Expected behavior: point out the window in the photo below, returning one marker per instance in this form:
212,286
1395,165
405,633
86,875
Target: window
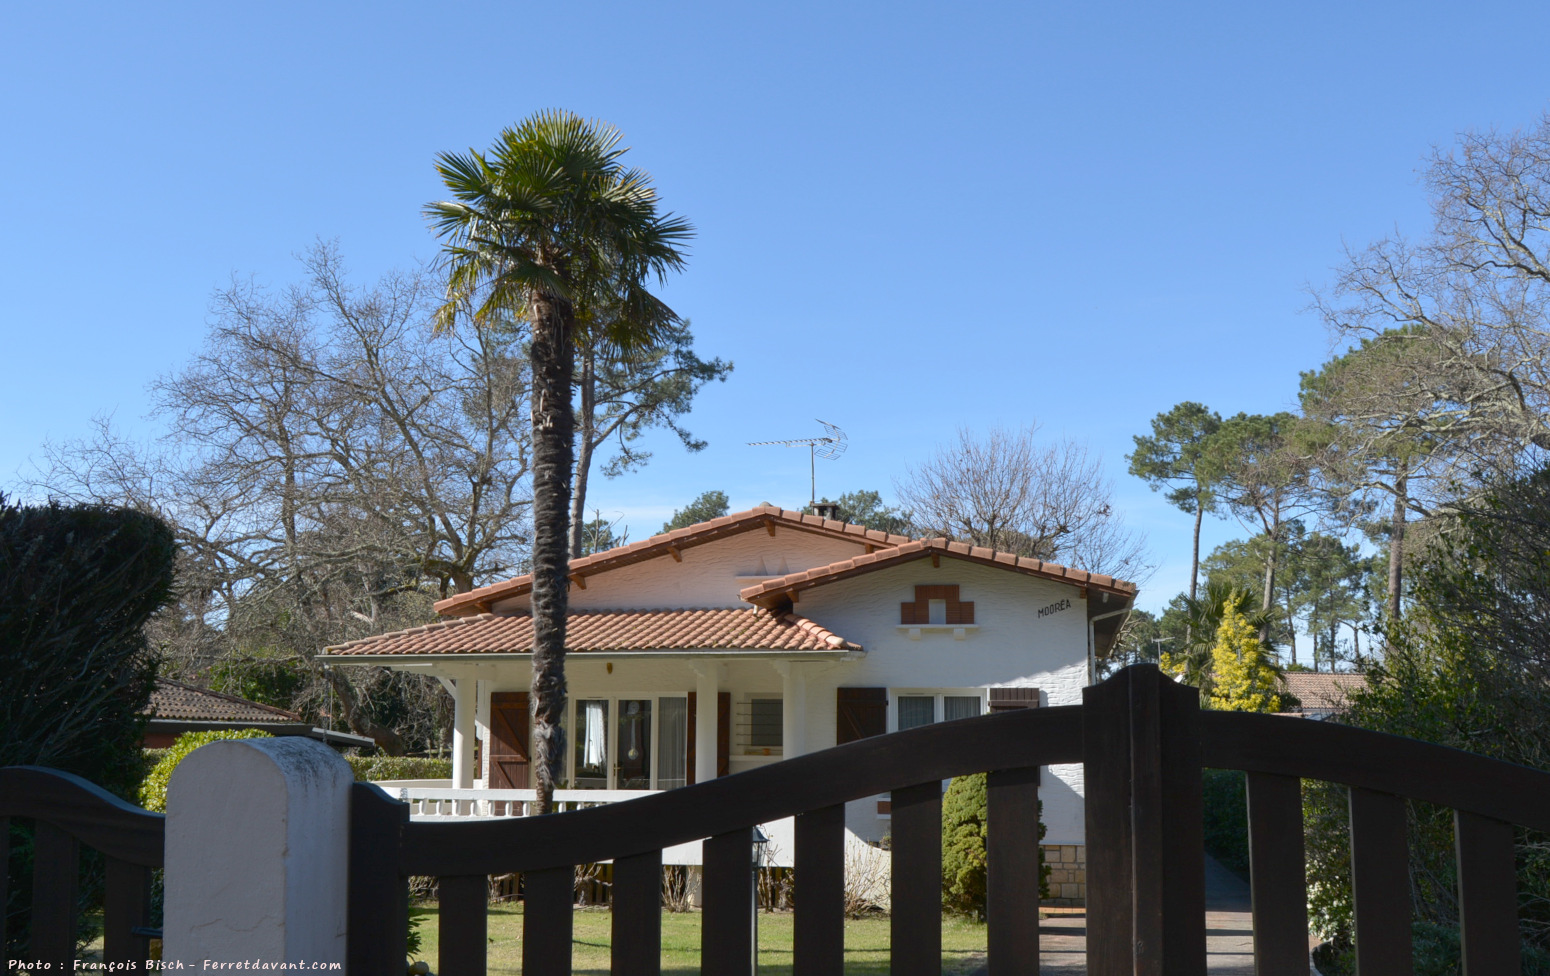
916,710
922,708
764,722
644,746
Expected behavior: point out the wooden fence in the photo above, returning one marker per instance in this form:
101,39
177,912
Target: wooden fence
69,812
1142,739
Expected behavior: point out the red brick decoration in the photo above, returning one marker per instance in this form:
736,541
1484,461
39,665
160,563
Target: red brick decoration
918,614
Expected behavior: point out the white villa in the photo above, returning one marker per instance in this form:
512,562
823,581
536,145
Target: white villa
803,631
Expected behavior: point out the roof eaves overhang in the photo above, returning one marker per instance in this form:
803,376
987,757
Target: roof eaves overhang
482,657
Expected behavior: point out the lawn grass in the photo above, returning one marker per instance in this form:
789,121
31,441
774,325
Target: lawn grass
866,942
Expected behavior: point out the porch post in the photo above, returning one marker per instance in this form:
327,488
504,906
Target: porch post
793,709
707,690
463,699
482,730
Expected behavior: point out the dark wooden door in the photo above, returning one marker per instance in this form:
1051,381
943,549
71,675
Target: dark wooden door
509,754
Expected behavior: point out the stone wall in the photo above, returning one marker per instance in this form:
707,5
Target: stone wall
1068,874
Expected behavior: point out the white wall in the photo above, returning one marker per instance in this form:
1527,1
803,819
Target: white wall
709,576
1009,646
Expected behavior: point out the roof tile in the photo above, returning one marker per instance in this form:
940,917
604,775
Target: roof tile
610,630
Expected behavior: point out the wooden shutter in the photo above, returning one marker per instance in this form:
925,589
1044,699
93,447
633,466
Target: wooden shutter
859,713
723,734
509,752
1006,699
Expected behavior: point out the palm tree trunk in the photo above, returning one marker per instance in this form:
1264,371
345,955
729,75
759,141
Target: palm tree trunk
587,388
553,357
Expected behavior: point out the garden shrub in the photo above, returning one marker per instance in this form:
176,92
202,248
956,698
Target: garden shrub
399,767
77,585
1227,818
963,847
153,792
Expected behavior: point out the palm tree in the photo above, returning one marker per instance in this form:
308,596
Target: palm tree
551,225
1203,615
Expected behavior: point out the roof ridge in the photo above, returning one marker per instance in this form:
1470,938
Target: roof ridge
231,698
665,540
919,547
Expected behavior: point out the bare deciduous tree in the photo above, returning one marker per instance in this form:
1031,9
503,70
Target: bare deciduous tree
1007,491
331,463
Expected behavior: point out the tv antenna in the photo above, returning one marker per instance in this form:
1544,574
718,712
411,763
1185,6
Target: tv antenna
829,447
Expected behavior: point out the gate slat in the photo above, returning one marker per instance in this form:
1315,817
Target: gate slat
56,864
5,870
1277,875
1012,882
1182,814
548,907
1106,758
1146,826
818,944
1488,895
378,913
126,905
463,926
1380,883
637,915
726,934
915,928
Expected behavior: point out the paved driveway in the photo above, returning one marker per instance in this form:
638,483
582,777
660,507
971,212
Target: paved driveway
1229,931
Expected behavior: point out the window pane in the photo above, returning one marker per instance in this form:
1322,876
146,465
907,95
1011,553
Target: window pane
591,745
960,706
633,744
916,710
764,722
672,742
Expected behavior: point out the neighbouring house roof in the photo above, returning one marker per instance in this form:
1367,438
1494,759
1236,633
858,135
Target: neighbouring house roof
765,516
176,708
1323,692
781,590
616,631
175,701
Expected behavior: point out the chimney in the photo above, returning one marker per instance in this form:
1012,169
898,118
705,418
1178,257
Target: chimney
828,510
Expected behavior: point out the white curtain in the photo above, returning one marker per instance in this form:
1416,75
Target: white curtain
672,742
594,727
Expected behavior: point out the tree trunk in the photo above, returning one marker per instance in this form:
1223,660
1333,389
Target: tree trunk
553,357
1194,556
386,739
1397,545
587,421
1268,597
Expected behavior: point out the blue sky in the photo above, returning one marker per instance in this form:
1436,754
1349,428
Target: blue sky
911,217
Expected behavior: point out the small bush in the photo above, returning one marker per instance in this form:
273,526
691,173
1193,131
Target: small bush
153,792
399,767
963,847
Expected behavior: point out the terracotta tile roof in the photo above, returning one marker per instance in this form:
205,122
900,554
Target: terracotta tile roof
610,630
175,701
777,591
1323,691
479,600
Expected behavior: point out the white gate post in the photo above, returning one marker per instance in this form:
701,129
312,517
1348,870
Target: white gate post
258,854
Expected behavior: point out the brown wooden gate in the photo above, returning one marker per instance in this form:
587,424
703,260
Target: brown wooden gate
1143,740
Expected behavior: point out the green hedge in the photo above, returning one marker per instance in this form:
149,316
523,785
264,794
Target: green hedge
1227,819
153,792
399,767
